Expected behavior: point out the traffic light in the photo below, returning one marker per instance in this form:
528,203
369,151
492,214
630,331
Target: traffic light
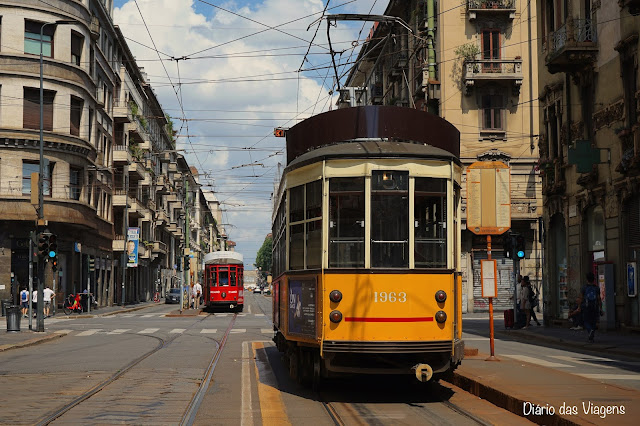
520,247
43,245
53,246
92,264
187,265
54,264
507,245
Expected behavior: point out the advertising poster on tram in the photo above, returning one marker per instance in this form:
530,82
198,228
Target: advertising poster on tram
302,307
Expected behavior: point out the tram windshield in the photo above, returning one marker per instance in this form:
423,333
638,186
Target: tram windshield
430,215
389,219
346,222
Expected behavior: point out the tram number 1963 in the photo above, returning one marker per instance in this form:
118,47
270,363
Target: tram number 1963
391,296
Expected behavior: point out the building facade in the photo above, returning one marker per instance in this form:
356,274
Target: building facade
590,150
475,66
111,164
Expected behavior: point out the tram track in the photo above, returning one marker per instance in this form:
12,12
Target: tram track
194,403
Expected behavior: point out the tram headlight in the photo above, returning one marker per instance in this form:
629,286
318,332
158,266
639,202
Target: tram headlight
335,316
335,296
441,317
441,296
224,294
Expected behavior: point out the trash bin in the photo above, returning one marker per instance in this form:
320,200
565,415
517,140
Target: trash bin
5,304
13,318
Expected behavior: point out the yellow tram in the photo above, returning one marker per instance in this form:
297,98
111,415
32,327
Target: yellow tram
366,245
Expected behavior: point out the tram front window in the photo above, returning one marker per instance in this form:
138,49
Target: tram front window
224,278
430,215
346,222
389,219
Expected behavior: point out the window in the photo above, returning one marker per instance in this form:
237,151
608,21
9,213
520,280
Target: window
29,167
346,222
629,75
305,232
492,106
430,226
32,38
491,50
76,115
31,109
389,219
75,184
76,48
314,224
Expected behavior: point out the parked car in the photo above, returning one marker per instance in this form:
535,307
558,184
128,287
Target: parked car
257,290
173,296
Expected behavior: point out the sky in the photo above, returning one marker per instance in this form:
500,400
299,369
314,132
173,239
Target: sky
230,72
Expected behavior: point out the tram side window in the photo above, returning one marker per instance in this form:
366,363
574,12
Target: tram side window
430,227
314,224
233,277
212,277
346,222
296,231
389,219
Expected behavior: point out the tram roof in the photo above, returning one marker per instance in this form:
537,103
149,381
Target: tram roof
223,258
372,122
372,149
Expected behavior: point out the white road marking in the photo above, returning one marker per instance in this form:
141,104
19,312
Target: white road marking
611,376
148,315
246,412
177,331
242,315
148,331
591,362
482,339
238,330
209,331
538,361
126,315
62,331
266,330
89,332
119,331
259,315
222,315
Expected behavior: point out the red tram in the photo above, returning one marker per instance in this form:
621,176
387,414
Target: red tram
223,280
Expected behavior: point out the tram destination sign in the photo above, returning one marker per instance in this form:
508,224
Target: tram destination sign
488,198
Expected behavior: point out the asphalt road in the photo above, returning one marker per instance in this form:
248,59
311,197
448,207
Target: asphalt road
145,367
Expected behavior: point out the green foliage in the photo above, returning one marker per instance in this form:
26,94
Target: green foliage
136,151
468,51
134,108
263,258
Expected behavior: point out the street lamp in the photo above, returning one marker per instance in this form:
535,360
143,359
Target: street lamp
41,175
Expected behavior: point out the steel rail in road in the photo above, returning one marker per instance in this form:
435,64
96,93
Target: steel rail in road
192,410
88,394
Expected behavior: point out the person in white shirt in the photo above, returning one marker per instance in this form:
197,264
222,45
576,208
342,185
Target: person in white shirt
197,293
34,302
48,294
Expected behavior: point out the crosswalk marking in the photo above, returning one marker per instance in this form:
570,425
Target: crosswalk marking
127,315
177,331
266,330
259,315
148,315
591,362
209,331
611,376
148,331
62,331
238,330
538,361
119,331
89,332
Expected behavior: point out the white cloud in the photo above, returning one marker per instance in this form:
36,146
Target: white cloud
266,94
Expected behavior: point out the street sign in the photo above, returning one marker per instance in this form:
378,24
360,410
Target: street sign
489,273
488,198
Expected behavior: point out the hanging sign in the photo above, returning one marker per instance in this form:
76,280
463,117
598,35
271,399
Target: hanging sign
488,198
131,246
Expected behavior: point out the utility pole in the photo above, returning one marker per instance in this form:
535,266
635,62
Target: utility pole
125,227
186,235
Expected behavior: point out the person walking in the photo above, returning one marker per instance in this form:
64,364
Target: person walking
525,302
197,293
533,300
24,301
48,294
591,305
34,302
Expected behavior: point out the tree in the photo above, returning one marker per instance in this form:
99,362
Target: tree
263,258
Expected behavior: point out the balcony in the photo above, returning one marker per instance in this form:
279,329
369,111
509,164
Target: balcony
121,200
94,27
118,243
136,171
122,112
161,217
572,47
633,5
491,9
159,247
121,155
493,70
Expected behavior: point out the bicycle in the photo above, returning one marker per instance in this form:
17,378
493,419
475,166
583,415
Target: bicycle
72,304
156,297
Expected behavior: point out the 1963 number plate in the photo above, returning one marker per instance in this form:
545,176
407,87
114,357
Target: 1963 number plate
389,297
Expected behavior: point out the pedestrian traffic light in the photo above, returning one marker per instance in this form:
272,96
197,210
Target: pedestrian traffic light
507,245
520,247
43,245
53,246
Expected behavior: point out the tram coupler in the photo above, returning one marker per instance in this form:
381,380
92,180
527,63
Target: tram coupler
424,372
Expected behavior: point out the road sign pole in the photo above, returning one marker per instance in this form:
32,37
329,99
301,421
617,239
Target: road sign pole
491,331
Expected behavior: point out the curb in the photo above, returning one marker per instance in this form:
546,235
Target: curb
505,401
31,342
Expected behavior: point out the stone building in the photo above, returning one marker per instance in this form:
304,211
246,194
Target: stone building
590,153
474,65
